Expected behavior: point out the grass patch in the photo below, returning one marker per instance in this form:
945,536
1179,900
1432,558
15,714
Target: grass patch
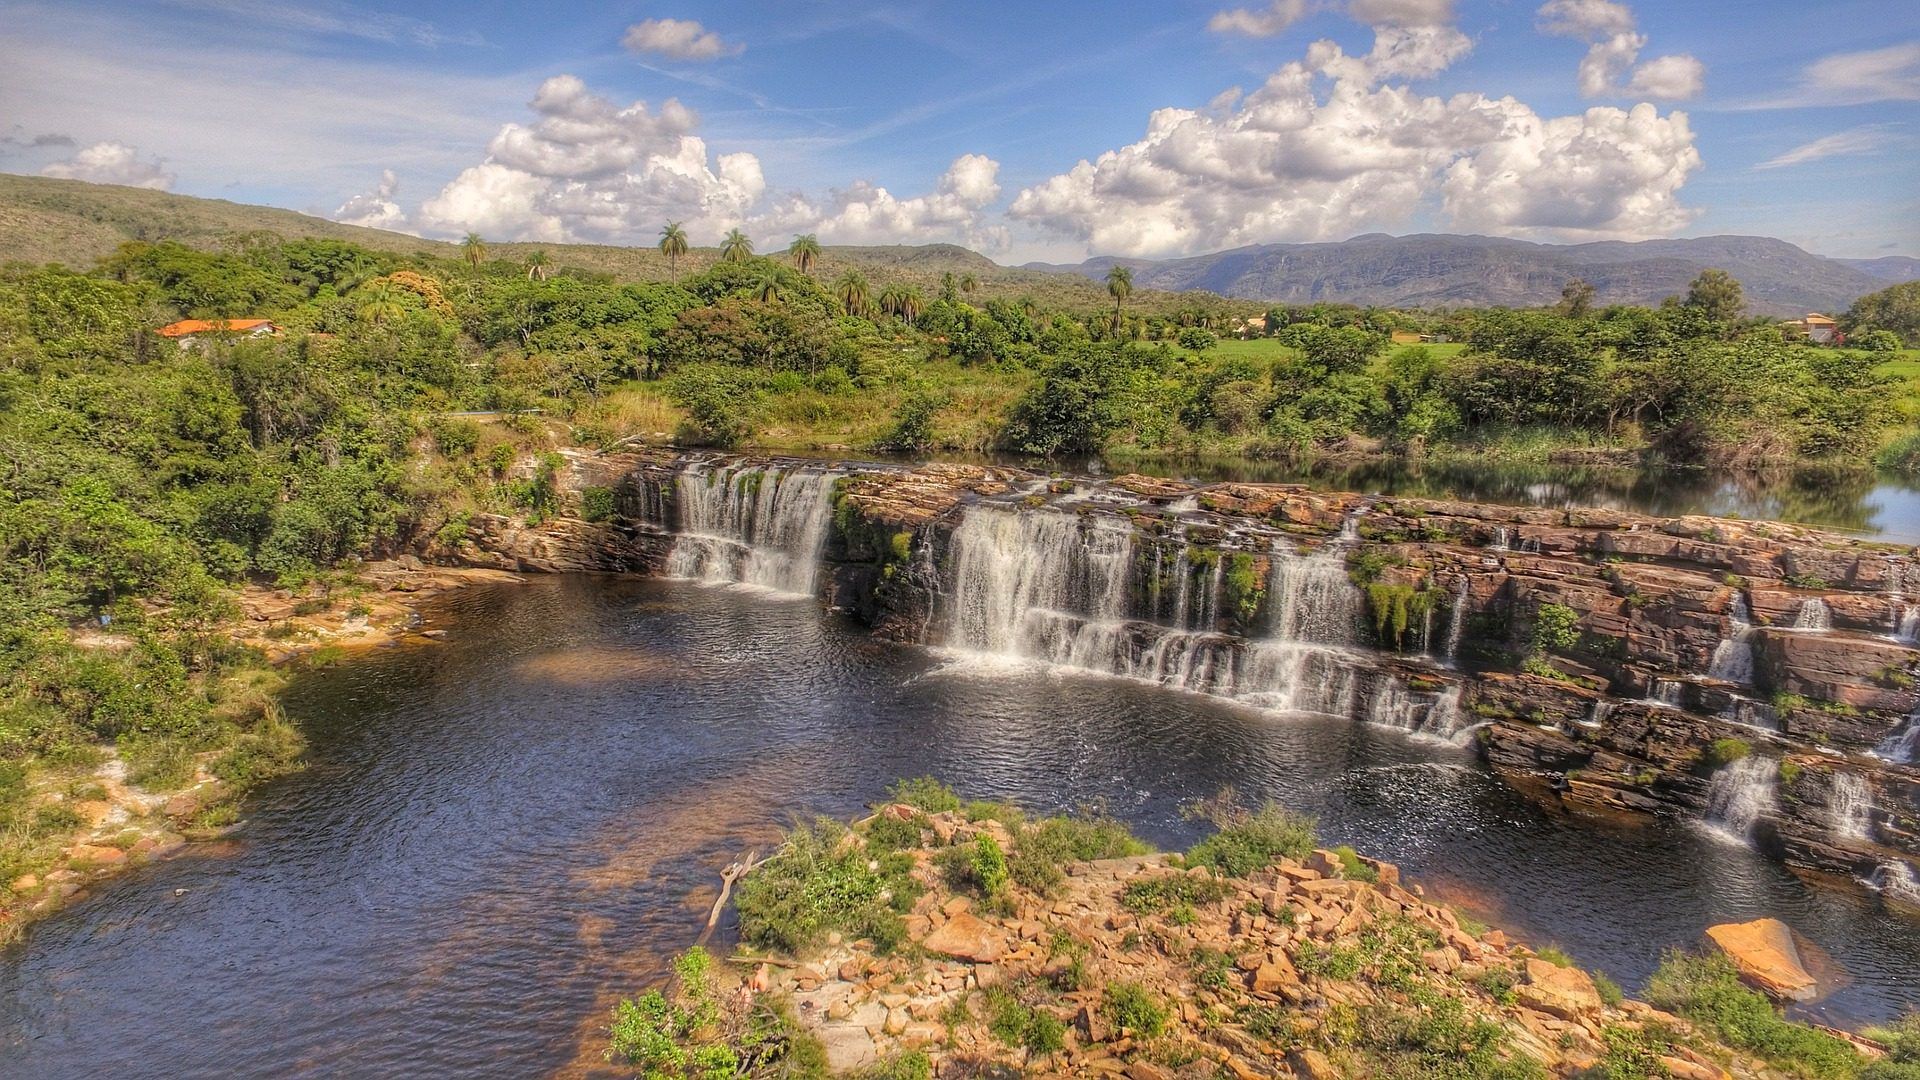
1019,1024
1352,868
823,881
1131,1006
1707,990
1171,892
924,793
1247,842
1044,848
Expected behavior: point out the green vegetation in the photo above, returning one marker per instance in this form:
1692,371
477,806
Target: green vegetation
1723,752
1707,991
1019,1023
1248,841
1134,1008
686,1032
924,793
818,884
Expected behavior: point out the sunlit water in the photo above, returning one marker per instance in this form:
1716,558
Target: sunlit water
503,832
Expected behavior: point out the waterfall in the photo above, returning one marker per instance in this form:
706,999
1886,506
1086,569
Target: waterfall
1435,716
1739,794
1814,615
1850,807
1500,539
1598,714
1908,627
1896,879
1667,693
1733,657
1055,588
752,525
1185,504
1457,622
1902,744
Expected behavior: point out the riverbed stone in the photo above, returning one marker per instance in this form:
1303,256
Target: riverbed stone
1767,957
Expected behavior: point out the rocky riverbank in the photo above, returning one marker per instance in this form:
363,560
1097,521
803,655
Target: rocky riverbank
105,821
1255,955
1607,662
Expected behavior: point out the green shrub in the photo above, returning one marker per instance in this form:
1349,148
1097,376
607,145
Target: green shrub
820,882
1632,1053
454,436
1556,628
1016,1023
1439,1039
1130,1006
924,793
911,1065
1609,991
1555,955
597,504
1046,846
889,833
1721,753
1352,868
1164,892
989,865
1707,990
1249,842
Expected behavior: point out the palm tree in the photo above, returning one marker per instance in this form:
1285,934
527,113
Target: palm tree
378,302
1119,286
892,299
767,286
475,250
968,283
911,305
537,265
804,251
673,244
853,292
736,247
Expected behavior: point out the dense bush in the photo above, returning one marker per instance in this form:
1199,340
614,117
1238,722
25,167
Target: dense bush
1247,842
1707,990
820,881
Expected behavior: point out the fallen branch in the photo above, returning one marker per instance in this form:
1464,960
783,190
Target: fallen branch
734,872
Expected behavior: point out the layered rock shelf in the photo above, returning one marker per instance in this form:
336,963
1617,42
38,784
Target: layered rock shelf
1605,661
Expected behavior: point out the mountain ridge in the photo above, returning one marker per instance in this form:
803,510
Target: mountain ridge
1450,270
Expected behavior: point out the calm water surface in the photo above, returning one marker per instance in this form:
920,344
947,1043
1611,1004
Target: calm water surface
503,832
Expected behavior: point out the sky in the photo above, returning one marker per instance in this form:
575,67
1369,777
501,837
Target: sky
1043,129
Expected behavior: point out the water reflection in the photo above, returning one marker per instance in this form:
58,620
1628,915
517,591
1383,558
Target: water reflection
502,834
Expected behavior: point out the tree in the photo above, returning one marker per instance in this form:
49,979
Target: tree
736,247
1119,286
1716,295
949,287
1194,339
767,287
538,265
673,244
473,249
968,283
1895,309
911,304
804,251
1576,299
853,292
379,302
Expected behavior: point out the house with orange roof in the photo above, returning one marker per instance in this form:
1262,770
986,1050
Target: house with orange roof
1815,327
190,332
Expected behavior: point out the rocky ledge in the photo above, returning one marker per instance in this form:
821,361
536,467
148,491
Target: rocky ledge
1255,955
1611,662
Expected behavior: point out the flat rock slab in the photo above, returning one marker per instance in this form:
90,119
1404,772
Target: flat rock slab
1767,957
966,937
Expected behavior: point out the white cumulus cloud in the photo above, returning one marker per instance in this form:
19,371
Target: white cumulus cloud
865,213
375,209
1613,45
677,39
1291,161
588,169
1259,22
112,163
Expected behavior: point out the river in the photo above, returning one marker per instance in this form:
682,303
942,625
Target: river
503,831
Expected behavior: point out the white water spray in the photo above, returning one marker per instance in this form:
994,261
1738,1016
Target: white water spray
1733,657
1740,794
752,526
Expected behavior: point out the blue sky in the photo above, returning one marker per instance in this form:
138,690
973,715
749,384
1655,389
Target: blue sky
1051,130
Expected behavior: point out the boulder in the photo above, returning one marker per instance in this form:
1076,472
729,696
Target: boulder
1767,957
1566,992
966,937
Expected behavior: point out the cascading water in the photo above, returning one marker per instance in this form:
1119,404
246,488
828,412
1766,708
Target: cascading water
1896,880
1598,714
749,525
1733,657
1457,622
1739,795
1814,615
1055,588
1850,807
1902,744
1908,627
1667,693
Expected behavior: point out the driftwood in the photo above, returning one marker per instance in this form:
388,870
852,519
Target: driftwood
734,872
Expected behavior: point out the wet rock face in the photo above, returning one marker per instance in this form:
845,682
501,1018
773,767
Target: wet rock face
1600,653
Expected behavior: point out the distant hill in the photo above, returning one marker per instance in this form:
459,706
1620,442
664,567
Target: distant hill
1891,269
75,223
1434,270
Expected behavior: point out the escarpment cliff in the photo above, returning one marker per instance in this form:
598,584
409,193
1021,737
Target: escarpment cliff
1757,676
